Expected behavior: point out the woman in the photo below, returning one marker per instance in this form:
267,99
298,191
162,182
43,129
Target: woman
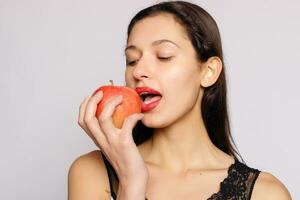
182,148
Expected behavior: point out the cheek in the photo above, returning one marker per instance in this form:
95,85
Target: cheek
180,94
180,83
128,79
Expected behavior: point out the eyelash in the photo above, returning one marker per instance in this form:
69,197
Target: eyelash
160,58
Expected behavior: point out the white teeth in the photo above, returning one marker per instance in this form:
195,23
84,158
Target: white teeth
144,93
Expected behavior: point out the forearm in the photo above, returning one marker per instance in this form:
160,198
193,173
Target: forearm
131,192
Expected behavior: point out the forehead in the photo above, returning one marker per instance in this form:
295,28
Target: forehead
161,26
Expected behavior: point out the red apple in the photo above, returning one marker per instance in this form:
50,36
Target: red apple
131,102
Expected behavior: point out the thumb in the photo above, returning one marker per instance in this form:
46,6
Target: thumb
131,121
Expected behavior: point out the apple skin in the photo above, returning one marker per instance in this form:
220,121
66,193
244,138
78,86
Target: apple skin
131,102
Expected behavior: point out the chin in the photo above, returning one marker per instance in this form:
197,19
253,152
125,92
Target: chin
152,120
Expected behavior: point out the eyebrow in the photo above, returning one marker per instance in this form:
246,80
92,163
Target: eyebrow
154,43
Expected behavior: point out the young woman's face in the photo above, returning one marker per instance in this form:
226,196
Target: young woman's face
168,67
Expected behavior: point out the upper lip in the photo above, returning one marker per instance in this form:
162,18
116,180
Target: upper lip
141,90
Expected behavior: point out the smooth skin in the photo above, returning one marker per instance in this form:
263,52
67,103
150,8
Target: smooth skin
117,144
180,161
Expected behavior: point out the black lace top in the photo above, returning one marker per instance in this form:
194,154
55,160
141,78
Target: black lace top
238,184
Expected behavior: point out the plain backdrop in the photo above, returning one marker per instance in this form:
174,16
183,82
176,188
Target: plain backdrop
53,53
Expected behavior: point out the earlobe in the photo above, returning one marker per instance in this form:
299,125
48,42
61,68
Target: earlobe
211,70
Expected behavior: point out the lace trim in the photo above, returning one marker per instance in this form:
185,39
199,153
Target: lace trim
238,184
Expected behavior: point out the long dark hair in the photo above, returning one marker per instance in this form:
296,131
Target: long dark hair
204,34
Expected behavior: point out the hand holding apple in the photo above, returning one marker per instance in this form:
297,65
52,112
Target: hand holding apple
131,102
116,144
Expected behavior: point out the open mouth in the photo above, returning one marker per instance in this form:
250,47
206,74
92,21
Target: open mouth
149,101
147,97
150,98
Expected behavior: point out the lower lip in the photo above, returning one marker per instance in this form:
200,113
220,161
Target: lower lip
150,106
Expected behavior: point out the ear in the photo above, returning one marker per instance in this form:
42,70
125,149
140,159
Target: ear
210,71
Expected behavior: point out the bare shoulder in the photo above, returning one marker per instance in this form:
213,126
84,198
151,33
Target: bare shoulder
87,178
267,186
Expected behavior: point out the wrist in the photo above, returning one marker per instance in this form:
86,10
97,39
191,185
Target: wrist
134,191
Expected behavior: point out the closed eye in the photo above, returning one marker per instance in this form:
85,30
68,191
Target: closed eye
131,63
165,58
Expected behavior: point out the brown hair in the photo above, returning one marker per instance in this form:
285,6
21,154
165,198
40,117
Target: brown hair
204,34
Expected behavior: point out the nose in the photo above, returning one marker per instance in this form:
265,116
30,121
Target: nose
141,69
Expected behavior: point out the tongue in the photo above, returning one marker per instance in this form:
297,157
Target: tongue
151,99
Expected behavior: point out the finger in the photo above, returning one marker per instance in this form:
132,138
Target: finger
97,133
81,115
129,124
91,121
91,106
81,123
82,108
105,118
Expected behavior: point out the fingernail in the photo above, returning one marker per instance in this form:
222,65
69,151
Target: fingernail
99,94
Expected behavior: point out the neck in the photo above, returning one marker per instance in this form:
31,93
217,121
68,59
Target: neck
185,145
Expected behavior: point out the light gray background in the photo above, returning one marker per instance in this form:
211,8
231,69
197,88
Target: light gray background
54,53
